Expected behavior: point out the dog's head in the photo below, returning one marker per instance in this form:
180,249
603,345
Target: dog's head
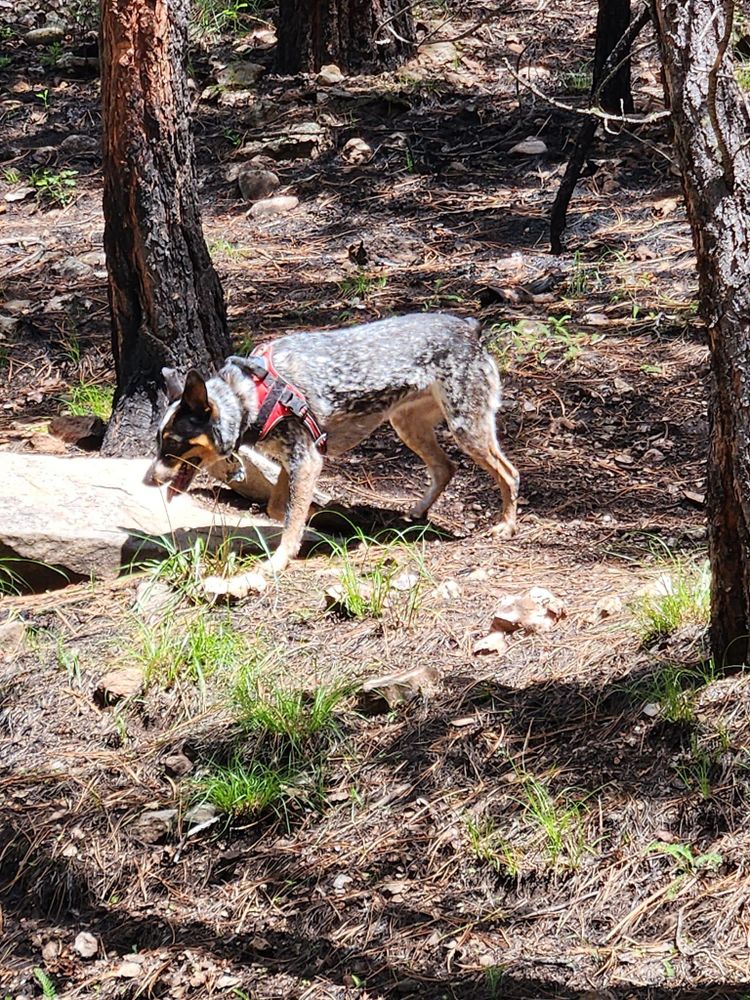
187,436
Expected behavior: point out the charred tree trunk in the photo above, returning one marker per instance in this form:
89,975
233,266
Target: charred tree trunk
356,35
608,91
611,88
165,298
711,123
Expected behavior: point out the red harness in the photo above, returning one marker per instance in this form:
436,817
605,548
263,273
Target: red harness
277,400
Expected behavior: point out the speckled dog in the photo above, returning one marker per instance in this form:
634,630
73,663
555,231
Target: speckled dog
415,371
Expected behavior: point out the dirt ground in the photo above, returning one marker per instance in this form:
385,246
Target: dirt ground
535,824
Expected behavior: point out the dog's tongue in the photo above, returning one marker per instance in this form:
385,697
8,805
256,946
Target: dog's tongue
180,482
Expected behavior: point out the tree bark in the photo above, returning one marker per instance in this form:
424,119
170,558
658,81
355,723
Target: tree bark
356,35
612,22
712,123
165,298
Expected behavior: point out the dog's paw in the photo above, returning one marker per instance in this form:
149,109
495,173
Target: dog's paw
234,587
503,531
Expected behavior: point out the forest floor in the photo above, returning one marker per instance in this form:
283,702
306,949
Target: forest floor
565,819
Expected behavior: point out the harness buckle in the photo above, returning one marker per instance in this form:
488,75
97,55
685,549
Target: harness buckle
292,402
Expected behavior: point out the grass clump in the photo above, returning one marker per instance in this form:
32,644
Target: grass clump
541,343
240,790
361,285
294,716
379,579
89,398
686,862
185,569
558,819
681,597
195,654
488,844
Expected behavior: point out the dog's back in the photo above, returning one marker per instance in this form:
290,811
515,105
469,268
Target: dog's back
372,366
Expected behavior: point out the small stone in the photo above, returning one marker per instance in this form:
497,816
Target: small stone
480,574
16,306
495,642
651,710
341,882
226,982
448,590
44,154
405,582
255,184
129,970
240,74
153,825
124,682
269,207
381,694
605,607
529,147
536,610
19,193
73,268
85,944
330,75
357,152
52,950
178,765
202,813
85,432
45,444
48,34
77,143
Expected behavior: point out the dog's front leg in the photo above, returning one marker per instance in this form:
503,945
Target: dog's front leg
305,464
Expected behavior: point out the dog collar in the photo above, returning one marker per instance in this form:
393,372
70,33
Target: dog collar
276,399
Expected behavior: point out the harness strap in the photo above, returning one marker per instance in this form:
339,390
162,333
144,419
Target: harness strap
277,400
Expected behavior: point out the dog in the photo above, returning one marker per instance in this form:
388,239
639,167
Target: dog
337,386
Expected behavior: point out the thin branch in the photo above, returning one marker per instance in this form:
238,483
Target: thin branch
605,116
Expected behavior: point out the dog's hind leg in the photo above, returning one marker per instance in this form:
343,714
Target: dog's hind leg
470,407
415,424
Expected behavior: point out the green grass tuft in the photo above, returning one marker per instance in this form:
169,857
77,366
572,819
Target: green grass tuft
239,790
89,398
684,599
171,652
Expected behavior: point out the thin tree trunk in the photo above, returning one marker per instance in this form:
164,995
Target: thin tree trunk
712,123
612,22
356,35
165,298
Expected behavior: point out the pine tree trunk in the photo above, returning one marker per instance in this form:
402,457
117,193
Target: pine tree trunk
712,123
356,35
165,298
612,21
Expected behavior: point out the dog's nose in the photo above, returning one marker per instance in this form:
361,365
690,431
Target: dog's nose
150,479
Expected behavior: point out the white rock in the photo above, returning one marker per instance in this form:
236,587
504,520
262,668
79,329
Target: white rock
329,75
495,642
529,147
357,152
268,207
448,590
85,944
19,193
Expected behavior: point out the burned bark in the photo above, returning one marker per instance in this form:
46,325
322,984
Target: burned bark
711,124
356,35
166,302
611,85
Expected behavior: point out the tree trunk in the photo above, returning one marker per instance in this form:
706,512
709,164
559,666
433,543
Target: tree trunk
612,22
356,35
165,298
712,123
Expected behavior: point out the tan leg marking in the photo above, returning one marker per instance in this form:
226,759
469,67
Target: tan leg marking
415,425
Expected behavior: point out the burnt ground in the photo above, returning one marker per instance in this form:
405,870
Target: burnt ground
564,820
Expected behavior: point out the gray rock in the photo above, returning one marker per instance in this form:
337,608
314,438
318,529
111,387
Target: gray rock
77,143
256,184
119,684
304,141
356,152
19,193
153,825
12,634
240,74
204,812
46,35
381,694
273,206
83,517
73,268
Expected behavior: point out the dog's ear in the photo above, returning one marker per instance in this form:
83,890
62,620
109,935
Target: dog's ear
195,394
172,383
